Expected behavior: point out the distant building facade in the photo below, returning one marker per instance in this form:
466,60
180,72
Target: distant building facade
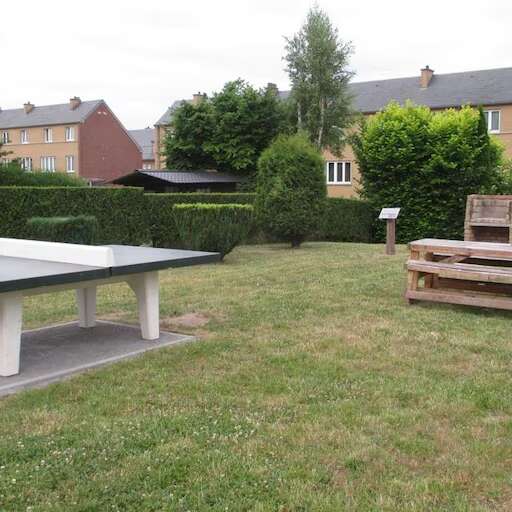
83,138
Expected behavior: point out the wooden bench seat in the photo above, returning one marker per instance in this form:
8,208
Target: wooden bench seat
465,271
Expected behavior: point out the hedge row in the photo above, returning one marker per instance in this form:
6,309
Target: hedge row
347,220
212,227
72,230
120,212
128,216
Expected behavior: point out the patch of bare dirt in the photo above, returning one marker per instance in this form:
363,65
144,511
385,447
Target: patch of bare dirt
188,320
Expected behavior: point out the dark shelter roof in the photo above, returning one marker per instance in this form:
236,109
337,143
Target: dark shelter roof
178,177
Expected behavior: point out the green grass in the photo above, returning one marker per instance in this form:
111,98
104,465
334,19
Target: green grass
314,388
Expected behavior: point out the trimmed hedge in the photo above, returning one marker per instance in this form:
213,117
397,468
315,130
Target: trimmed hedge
347,220
212,227
160,214
120,212
73,230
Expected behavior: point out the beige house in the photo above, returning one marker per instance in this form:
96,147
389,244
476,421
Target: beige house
492,89
79,137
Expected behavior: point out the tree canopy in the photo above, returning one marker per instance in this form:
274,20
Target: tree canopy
426,163
227,132
317,63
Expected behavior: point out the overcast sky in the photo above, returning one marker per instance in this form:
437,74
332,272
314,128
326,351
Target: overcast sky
140,56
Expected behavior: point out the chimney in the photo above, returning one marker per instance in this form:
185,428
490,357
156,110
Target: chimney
74,102
28,107
272,88
198,98
426,77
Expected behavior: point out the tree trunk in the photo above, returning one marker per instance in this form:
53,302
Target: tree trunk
299,115
322,121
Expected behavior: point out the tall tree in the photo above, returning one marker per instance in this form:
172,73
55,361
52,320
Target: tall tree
227,132
317,64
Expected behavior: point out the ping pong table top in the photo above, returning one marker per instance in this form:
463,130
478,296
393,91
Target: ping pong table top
19,273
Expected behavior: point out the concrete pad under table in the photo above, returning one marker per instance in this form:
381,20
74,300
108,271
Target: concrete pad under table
52,353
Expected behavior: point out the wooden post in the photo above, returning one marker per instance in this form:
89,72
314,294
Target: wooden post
390,236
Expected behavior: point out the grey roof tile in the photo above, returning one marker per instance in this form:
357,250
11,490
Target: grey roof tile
47,115
145,139
484,87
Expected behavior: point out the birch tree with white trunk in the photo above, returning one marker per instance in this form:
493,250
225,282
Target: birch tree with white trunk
318,66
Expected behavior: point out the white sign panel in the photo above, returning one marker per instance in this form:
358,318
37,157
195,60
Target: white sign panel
389,213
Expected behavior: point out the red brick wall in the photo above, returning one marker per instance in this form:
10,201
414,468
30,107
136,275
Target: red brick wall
106,151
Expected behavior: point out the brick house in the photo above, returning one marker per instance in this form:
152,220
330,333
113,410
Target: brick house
492,89
83,138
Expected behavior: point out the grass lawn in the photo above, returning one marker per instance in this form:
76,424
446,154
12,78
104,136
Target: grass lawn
314,388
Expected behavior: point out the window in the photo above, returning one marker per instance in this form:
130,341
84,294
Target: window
24,136
26,163
48,135
5,162
5,137
339,173
493,120
70,133
48,163
70,163
147,166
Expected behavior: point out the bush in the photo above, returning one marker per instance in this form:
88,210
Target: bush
74,230
212,227
291,191
120,212
13,175
347,220
426,163
160,213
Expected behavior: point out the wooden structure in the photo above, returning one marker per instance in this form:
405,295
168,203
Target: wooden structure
488,219
390,215
461,272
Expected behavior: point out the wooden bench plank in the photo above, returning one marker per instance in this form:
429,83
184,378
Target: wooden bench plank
460,297
465,271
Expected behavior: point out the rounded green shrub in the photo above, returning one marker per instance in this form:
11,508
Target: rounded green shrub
291,191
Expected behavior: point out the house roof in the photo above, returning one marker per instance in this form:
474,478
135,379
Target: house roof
47,115
165,119
180,177
145,138
484,87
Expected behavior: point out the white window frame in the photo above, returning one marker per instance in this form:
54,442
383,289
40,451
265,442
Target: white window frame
70,163
26,163
48,163
70,134
147,166
345,166
5,162
489,120
24,136
47,135
5,137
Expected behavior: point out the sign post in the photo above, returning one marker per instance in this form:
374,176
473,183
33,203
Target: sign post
390,215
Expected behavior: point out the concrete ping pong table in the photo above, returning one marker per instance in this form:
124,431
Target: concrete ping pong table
29,267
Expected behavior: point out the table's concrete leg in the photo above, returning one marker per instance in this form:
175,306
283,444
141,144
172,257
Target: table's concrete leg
11,311
146,289
86,301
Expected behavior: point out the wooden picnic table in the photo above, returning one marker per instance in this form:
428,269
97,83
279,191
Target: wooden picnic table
460,272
